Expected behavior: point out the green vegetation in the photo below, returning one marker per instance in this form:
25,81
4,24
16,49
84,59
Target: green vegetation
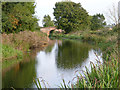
20,31
47,22
9,53
97,22
70,16
18,16
103,76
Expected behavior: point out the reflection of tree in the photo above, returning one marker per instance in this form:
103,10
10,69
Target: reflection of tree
22,78
71,54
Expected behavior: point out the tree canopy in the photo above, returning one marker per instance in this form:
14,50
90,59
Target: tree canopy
97,21
70,16
18,16
47,21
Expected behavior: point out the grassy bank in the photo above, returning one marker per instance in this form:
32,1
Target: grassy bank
104,35
15,44
10,55
105,39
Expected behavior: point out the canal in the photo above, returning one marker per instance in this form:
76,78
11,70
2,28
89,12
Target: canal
61,59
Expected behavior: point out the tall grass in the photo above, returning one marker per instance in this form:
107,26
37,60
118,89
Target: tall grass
104,76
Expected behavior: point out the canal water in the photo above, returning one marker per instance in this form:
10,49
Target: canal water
61,59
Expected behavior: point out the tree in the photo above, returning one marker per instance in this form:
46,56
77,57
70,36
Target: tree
47,21
18,16
112,14
70,16
97,21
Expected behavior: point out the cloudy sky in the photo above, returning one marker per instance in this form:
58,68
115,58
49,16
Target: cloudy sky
44,7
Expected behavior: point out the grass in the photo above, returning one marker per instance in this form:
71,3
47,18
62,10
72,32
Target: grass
103,76
10,55
24,40
103,35
8,51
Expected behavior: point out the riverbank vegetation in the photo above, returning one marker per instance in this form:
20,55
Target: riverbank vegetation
20,31
14,45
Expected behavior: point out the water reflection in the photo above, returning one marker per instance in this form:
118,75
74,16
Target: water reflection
62,61
21,74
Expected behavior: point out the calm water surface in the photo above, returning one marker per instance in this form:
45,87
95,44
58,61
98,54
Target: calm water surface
60,60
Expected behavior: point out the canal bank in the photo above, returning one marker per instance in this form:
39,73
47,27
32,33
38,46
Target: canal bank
106,39
14,45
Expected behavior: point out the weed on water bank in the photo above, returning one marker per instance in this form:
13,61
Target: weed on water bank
24,40
15,44
102,75
9,52
10,55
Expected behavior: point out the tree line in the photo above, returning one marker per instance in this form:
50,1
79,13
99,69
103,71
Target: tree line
71,16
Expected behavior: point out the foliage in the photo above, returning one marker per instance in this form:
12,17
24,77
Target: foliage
47,21
8,51
18,16
97,22
25,40
70,16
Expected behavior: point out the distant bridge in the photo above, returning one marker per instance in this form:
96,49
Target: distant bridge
47,30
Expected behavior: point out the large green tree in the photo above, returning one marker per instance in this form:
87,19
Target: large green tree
70,16
47,21
97,21
18,16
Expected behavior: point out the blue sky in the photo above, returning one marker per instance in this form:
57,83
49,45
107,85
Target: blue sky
44,7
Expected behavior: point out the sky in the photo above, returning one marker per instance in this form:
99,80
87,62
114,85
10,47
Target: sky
45,7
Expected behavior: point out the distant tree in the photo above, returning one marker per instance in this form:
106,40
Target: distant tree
112,14
70,16
47,21
18,16
97,21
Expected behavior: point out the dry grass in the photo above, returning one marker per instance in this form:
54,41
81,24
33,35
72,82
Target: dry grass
24,40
